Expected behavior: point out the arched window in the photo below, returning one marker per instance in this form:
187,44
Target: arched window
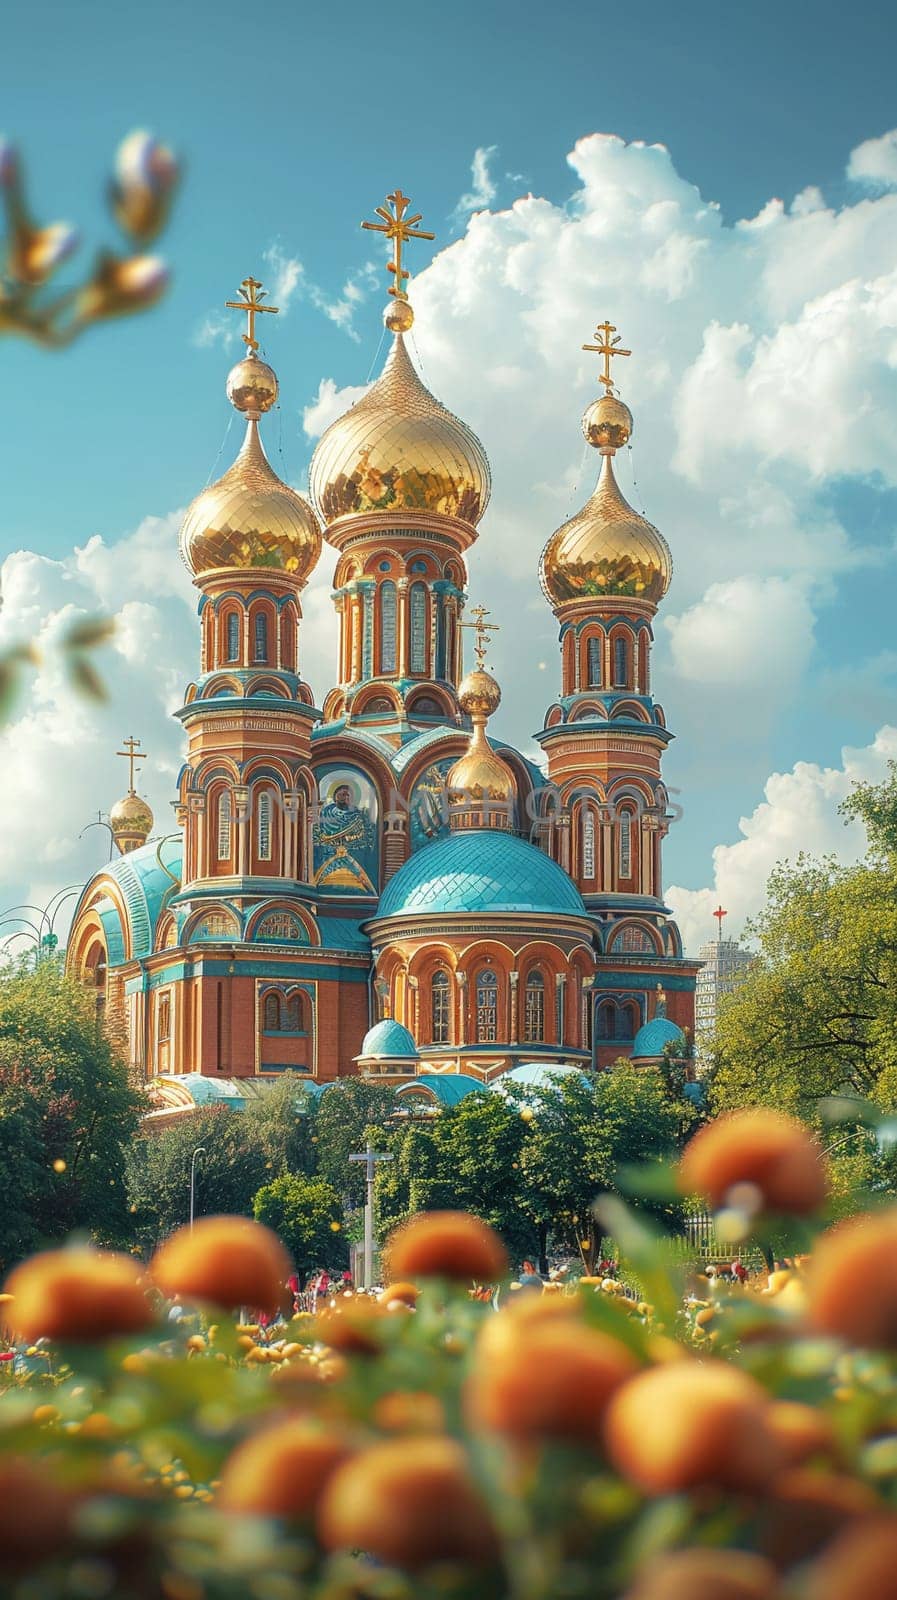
607,1020
621,662
288,642
487,1007
233,636
626,1021
291,1016
263,826
425,706
594,661
534,1015
387,628
260,637
224,824
271,1013
588,842
625,845
418,605
440,1008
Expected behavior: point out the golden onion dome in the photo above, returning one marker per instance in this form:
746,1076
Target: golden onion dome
131,821
480,785
398,449
605,550
250,519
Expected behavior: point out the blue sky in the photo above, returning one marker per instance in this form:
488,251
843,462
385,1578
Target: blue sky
293,122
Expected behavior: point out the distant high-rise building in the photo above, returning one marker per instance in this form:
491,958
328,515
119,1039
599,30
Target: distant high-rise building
723,963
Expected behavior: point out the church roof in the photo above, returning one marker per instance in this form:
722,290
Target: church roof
652,1039
144,883
537,1074
388,1040
483,870
447,1087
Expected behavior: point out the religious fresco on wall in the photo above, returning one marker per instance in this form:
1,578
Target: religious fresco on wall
429,806
346,833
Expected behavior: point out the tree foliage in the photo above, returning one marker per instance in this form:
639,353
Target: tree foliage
67,1113
344,1117
307,1214
816,1014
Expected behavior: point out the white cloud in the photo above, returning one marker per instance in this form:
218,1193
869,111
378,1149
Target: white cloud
874,161
745,632
764,369
289,275
799,813
482,189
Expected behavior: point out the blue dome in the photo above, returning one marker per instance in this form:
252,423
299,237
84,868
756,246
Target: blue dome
652,1039
483,870
447,1087
388,1039
537,1074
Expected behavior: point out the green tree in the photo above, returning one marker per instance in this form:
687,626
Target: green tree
343,1118
280,1123
816,1014
307,1215
67,1113
579,1132
230,1170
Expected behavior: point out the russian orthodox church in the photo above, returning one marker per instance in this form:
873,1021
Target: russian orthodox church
384,885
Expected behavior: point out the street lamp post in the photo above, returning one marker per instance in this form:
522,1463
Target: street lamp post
199,1151
370,1157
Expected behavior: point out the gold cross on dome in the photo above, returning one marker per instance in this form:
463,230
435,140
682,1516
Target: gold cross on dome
132,746
252,296
608,348
480,628
398,227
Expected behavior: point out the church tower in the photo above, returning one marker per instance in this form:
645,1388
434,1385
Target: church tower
250,543
400,485
604,573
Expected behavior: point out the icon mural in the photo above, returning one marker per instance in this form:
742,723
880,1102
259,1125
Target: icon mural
429,804
345,833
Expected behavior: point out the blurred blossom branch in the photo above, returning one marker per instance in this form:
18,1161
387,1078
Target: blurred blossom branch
74,649
140,196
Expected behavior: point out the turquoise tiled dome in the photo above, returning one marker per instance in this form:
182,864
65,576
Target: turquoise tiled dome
652,1039
483,870
388,1039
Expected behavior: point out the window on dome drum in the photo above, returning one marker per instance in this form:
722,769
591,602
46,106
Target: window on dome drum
594,661
621,663
487,1007
387,628
588,843
288,643
625,845
233,636
260,637
418,605
224,822
634,941
534,1015
380,707
440,1008
263,826
425,706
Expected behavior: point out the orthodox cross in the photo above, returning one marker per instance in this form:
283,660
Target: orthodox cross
608,348
252,295
132,746
398,227
370,1157
480,628
719,913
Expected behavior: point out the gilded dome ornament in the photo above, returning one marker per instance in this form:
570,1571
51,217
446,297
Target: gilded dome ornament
480,786
249,519
398,449
607,549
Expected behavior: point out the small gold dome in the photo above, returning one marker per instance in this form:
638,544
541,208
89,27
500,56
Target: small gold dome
398,449
131,821
606,549
249,519
252,386
607,423
398,315
479,694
